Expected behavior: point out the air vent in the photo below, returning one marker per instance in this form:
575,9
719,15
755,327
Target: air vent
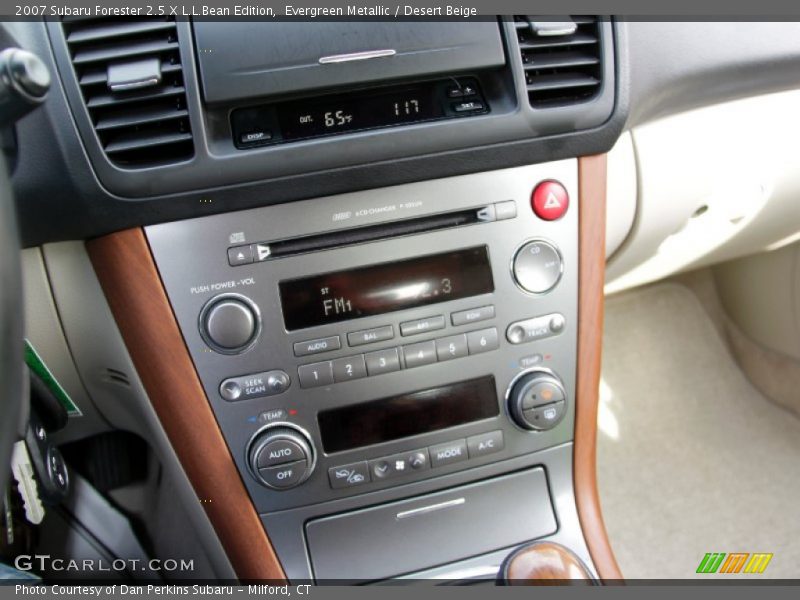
130,75
561,59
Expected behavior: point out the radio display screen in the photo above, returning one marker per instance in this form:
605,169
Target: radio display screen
387,287
409,414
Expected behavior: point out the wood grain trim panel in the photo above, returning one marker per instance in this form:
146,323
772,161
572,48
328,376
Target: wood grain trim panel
138,301
592,234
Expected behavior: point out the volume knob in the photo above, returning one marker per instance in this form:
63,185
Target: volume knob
281,457
230,323
537,401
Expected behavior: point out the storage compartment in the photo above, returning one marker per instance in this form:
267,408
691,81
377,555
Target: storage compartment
241,60
411,535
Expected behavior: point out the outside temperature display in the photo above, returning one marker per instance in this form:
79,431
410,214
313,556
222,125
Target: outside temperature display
379,289
314,118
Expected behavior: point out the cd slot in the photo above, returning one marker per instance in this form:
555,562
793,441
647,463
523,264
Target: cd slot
349,237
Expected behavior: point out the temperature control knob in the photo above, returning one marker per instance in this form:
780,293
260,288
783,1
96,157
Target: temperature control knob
537,401
229,324
281,457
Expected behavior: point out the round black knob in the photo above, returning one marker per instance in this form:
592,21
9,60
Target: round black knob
281,457
230,324
537,400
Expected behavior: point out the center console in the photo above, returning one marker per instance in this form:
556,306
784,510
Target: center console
344,259
389,368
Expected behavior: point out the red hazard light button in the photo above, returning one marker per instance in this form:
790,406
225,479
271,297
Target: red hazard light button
549,200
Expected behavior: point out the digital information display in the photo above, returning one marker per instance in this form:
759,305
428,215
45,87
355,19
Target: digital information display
410,414
314,118
383,288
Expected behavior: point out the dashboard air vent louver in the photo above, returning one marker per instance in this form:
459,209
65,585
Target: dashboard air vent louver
561,59
130,75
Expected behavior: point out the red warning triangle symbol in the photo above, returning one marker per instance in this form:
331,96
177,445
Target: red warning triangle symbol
552,201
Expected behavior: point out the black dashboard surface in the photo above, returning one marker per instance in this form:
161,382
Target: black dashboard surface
659,68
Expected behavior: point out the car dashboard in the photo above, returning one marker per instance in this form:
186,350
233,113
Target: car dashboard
352,274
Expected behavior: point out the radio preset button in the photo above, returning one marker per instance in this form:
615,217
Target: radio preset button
284,476
448,453
316,374
316,346
483,340
383,361
486,443
537,267
422,325
418,355
473,315
347,476
368,336
257,385
454,346
279,452
350,367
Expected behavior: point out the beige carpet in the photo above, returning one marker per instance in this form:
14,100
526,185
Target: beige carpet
691,458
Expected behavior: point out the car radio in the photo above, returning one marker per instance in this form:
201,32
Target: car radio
365,341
